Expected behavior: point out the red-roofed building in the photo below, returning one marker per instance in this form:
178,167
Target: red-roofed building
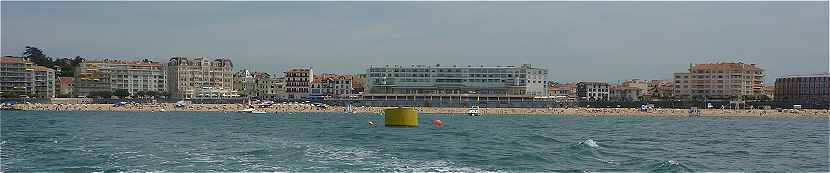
567,90
65,86
659,89
625,93
333,85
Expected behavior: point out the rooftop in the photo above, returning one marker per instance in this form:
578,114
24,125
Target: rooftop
67,80
446,66
109,61
11,59
808,75
41,68
725,65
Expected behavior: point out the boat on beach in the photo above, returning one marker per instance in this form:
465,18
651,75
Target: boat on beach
249,110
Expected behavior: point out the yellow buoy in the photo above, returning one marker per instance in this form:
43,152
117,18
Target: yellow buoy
400,117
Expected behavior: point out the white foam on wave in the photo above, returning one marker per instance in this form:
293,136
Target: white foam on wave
673,163
374,160
590,143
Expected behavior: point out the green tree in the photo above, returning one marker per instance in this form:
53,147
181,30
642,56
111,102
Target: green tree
38,57
121,93
65,67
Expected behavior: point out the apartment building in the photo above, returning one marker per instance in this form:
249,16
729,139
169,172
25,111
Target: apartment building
566,90
721,81
44,82
339,86
455,80
16,76
593,91
96,75
298,83
263,86
803,88
200,78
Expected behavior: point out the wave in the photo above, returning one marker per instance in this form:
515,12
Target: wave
668,166
589,142
335,157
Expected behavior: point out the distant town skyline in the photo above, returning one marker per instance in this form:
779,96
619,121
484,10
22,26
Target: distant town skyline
606,41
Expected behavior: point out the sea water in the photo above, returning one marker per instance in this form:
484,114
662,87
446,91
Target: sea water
177,141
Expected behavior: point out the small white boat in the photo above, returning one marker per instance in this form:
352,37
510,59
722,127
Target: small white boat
249,110
473,111
258,112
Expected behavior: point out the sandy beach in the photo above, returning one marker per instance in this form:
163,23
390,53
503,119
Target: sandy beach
170,107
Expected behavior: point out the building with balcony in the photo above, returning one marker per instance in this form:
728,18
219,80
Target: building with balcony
255,85
566,90
592,91
462,81
200,78
16,76
721,81
44,82
298,83
106,75
331,85
803,88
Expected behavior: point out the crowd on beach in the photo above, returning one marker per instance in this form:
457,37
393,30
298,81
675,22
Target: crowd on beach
305,107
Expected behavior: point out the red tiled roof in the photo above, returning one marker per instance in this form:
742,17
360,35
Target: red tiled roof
11,59
41,68
620,88
67,80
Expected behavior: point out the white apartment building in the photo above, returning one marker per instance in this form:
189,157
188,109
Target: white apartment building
332,85
200,78
593,91
441,80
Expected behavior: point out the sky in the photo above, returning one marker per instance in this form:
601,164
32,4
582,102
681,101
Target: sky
598,41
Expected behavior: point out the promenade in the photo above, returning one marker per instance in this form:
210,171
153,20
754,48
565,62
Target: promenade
170,107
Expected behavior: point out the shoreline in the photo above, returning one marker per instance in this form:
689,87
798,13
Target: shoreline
170,107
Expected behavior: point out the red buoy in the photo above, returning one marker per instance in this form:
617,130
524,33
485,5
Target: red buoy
437,123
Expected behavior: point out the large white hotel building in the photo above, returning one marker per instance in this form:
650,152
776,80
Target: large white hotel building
448,81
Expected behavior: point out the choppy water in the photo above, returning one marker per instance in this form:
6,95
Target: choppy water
123,141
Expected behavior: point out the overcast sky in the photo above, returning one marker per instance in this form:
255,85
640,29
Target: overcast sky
574,40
